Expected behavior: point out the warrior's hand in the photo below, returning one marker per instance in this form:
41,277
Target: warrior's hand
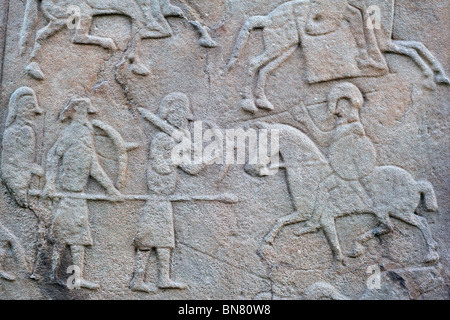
49,192
115,194
37,170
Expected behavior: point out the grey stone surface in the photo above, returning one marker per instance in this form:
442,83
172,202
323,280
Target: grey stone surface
96,94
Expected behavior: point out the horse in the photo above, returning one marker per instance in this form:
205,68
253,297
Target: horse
390,192
147,22
285,27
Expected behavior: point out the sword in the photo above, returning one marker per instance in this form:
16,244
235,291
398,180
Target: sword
225,198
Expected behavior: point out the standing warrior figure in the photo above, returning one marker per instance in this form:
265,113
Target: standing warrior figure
156,228
19,145
76,151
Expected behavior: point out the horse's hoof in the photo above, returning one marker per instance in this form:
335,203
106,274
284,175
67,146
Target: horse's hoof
358,251
430,84
248,105
207,43
110,45
35,71
432,257
139,69
441,78
342,260
269,239
264,104
6,276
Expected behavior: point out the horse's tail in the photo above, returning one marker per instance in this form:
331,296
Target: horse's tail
426,189
252,23
29,21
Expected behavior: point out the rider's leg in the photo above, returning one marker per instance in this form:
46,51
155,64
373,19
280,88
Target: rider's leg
138,281
78,260
436,66
164,270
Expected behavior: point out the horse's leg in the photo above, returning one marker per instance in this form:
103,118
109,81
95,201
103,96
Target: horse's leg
256,64
205,38
136,65
399,48
329,228
261,98
422,224
82,35
436,66
295,217
53,27
169,10
385,226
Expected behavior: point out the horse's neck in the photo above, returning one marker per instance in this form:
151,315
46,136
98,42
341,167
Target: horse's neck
387,9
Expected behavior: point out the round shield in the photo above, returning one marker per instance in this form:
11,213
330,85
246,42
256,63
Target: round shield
353,157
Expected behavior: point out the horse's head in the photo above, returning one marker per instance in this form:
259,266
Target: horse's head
325,16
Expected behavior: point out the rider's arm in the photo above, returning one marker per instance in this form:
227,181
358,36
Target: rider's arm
301,115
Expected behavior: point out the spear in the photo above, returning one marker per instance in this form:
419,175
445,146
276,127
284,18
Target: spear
226,198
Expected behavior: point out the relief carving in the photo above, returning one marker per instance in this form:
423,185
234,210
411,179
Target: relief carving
155,229
70,163
347,181
315,26
337,160
148,21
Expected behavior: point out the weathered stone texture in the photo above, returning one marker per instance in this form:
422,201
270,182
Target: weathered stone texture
94,95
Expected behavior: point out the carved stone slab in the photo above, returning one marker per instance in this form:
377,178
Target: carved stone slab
224,149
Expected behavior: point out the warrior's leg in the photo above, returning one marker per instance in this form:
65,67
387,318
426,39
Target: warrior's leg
58,250
4,246
385,226
138,281
54,26
164,270
82,35
78,260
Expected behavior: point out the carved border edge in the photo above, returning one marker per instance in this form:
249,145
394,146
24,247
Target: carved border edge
4,15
